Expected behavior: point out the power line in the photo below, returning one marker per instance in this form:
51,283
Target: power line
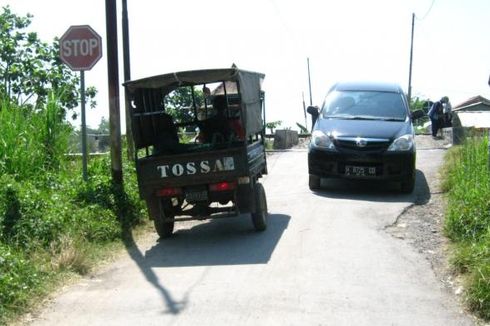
428,11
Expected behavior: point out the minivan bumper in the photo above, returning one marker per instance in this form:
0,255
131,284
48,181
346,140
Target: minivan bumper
389,166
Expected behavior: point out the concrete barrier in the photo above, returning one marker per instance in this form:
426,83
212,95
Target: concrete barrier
454,135
284,139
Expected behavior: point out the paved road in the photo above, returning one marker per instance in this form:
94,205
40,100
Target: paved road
324,260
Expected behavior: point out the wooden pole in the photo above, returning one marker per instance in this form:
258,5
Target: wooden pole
113,74
309,80
127,77
410,67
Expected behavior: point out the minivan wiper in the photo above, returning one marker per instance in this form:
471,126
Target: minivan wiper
362,117
392,119
350,117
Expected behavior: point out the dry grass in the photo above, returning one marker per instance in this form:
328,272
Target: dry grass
70,254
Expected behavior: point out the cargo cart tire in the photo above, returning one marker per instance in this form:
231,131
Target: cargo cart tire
159,213
259,217
163,228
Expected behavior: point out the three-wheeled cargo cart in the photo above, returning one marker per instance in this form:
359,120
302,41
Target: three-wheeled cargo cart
199,139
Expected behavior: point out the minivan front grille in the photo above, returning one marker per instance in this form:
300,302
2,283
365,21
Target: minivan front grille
362,144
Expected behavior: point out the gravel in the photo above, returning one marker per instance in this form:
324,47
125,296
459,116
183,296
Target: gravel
421,225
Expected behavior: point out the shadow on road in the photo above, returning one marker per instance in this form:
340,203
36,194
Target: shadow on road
215,242
374,190
173,306
219,242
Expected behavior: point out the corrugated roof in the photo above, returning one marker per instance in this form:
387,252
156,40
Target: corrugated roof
472,101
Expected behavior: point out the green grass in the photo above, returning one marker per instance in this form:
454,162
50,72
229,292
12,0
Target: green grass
467,223
52,223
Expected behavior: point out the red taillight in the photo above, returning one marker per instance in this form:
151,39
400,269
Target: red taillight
222,186
169,192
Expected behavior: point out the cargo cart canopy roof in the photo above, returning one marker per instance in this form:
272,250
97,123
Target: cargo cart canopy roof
249,85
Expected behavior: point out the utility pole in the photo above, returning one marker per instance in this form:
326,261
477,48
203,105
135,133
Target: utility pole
309,80
113,74
304,110
411,58
127,77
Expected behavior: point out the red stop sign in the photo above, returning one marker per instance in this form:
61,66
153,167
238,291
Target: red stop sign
80,47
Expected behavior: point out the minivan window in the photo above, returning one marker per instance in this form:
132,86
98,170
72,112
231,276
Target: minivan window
364,105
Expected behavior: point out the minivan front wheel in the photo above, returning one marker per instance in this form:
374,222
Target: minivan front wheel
314,182
408,185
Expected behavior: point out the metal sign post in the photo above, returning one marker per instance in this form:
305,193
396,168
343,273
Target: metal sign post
80,49
84,126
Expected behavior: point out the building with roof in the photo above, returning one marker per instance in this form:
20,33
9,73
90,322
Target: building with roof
473,113
475,103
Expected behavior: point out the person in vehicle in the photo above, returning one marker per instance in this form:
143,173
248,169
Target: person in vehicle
220,127
167,138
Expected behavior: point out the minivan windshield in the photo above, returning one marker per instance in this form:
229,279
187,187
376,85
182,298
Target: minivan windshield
364,105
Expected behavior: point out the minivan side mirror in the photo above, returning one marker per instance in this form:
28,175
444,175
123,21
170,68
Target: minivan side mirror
417,114
314,111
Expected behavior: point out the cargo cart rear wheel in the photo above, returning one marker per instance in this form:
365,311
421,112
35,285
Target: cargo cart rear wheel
259,216
163,228
160,213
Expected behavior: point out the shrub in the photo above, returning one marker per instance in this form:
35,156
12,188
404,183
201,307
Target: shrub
51,221
18,279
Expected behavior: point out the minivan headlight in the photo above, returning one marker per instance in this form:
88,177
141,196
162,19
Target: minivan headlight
402,144
319,139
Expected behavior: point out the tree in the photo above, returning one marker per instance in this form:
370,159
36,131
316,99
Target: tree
103,132
180,103
30,68
273,125
302,129
417,103
104,127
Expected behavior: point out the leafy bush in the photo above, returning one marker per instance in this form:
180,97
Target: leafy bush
32,215
18,278
51,221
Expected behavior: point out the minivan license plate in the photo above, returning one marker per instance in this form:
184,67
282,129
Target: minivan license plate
360,171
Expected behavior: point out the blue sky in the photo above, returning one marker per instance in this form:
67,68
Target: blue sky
350,39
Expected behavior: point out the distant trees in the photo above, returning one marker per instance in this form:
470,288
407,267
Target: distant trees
98,139
273,125
417,103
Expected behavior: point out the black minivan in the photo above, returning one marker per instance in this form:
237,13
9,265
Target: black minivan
363,131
